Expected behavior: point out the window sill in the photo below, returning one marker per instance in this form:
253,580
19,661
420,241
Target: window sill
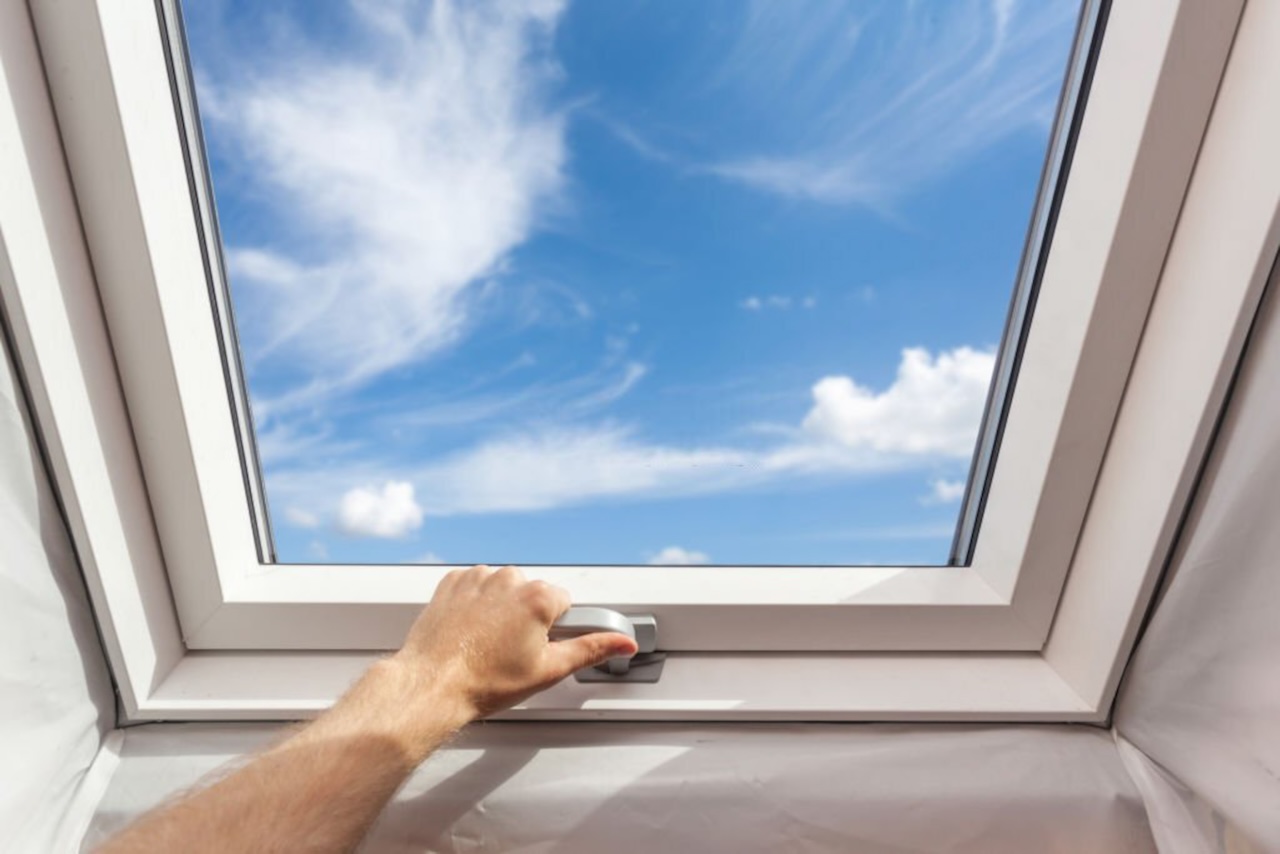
703,687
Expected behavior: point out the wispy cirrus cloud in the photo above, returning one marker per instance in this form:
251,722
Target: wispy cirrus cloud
777,302
873,99
554,467
615,375
400,172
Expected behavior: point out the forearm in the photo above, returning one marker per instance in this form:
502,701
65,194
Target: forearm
321,789
480,646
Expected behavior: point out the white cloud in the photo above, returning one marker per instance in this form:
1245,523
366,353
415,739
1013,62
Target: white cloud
633,139
942,491
930,413
486,400
776,301
677,556
810,180
387,513
280,442
557,467
632,373
931,85
934,406
300,518
401,177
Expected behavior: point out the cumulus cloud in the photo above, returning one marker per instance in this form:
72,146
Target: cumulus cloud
387,513
933,407
942,491
678,556
402,176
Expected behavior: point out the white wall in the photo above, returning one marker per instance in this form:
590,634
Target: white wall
1202,695
56,701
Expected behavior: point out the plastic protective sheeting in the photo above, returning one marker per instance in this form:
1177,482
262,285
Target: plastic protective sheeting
1181,821
56,701
593,787
1202,696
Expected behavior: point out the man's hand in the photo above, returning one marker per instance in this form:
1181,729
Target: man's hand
483,640
479,647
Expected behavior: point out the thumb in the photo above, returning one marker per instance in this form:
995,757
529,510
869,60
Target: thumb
566,656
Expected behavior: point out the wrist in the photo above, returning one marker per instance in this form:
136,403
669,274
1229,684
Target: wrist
397,703
415,690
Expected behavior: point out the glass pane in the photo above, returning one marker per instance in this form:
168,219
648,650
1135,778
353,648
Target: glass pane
623,282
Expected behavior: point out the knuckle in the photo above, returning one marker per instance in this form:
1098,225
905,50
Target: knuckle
508,575
540,597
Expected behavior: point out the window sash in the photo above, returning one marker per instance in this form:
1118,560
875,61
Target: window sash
1113,227
1227,235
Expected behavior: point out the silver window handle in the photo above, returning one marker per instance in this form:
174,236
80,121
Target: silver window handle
641,628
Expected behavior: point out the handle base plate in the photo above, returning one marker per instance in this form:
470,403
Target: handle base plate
646,667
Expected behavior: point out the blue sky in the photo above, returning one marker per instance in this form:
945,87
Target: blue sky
619,282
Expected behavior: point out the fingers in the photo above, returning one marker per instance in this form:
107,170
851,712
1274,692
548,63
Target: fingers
505,579
470,580
567,656
448,583
546,601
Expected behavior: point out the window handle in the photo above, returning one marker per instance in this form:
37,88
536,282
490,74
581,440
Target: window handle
645,666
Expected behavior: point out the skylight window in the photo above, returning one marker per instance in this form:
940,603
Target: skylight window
623,283
1156,185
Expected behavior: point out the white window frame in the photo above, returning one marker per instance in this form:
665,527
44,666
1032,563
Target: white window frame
1119,386
153,262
